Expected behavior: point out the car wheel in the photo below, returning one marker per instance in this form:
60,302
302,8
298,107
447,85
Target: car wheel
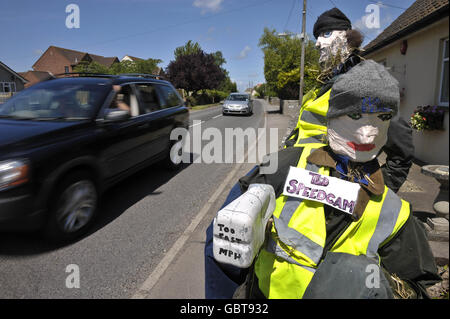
174,159
74,207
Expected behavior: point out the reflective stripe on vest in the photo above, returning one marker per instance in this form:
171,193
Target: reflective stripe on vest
318,139
312,120
291,236
286,265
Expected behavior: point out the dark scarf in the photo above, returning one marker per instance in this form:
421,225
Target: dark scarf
354,172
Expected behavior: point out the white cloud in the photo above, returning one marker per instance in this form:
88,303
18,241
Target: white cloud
370,33
244,53
38,52
208,5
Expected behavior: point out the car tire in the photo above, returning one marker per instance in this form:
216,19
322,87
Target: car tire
173,160
74,207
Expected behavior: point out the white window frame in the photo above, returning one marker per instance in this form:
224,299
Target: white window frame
11,85
443,60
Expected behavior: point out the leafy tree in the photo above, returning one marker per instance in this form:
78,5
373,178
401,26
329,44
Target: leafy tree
218,58
261,90
188,49
282,64
92,67
194,72
141,66
227,85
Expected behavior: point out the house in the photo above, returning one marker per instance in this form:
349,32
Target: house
10,82
157,71
57,60
415,50
34,77
131,58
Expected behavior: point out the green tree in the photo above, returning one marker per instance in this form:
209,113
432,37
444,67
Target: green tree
282,64
192,52
187,49
195,72
141,66
92,67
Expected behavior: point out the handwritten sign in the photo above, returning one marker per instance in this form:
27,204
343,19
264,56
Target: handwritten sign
327,190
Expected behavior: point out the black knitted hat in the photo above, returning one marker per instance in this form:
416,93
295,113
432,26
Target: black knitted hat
331,20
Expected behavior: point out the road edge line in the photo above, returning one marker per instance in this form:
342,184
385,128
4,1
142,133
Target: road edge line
145,289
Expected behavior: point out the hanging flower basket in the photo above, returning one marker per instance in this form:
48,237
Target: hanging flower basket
427,118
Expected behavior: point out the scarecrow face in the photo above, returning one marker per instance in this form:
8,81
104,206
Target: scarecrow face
330,44
359,136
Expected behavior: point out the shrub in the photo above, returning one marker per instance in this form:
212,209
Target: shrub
427,118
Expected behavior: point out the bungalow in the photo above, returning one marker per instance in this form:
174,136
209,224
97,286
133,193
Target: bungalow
415,49
10,82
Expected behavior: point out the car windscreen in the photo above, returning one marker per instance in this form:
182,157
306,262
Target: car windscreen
237,98
57,100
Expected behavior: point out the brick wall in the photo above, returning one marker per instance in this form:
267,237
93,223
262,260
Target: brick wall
52,61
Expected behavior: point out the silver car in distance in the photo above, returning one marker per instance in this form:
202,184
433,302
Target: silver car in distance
238,103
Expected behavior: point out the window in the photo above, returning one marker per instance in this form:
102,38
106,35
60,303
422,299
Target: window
148,98
54,100
7,87
170,97
66,69
126,100
443,88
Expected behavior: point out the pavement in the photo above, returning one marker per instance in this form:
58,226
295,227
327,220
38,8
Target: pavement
184,277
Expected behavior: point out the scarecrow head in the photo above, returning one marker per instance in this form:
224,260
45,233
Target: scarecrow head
335,38
362,102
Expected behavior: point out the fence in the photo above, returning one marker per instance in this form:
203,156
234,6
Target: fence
4,96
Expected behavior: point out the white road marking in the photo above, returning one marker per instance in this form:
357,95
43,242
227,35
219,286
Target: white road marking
157,273
217,116
197,124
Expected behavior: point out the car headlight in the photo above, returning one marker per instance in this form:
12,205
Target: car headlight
13,173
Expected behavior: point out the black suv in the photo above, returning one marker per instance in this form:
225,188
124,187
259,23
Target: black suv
64,141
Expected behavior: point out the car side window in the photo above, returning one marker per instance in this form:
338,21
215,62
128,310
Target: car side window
125,99
170,97
149,101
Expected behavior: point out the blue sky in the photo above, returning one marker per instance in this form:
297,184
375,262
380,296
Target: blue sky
154,28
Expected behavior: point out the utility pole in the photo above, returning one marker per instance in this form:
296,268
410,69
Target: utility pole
302,58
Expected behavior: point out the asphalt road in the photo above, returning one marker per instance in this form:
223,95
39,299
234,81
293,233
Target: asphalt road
139,221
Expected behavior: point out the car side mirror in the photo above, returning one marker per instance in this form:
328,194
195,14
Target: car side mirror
114,115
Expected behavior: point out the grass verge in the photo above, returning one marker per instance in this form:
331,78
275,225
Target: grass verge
202,107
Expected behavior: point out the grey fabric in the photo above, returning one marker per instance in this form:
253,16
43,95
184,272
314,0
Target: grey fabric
366,88
345,276
274,248
386,222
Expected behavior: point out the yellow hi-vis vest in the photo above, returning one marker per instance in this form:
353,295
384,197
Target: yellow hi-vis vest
312,121
287,263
